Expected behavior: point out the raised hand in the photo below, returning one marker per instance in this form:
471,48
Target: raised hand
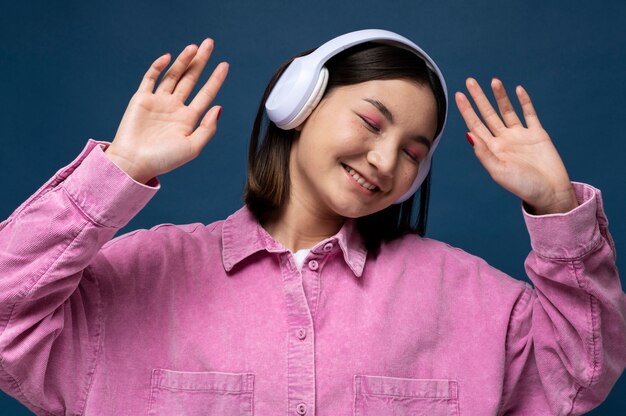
158,132
523,160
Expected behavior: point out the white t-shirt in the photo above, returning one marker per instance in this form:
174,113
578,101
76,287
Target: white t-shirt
299,256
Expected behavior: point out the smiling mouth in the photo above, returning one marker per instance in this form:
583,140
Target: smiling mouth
364,184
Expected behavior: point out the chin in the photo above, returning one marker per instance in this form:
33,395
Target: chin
353,210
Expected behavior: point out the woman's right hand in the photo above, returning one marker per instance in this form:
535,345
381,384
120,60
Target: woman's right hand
158,131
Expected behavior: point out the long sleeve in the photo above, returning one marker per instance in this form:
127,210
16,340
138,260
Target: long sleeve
566,341
51,324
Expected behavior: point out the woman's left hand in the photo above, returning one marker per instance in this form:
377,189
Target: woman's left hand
521,159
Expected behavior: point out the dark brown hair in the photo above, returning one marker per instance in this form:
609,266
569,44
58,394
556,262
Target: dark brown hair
267,187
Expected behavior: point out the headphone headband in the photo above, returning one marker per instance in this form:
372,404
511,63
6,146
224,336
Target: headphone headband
301,86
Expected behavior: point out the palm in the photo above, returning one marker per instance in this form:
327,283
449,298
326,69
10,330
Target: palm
163,124
158,131
521,159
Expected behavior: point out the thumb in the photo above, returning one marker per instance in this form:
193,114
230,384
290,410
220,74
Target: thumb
206,130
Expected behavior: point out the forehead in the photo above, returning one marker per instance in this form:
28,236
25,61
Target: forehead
398,94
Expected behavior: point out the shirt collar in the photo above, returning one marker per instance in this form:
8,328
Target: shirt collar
243,236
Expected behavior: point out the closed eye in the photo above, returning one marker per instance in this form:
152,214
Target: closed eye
412,156
370,125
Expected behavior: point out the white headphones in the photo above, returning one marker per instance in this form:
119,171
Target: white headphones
301,86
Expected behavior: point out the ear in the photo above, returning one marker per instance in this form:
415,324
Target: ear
300,125
311,103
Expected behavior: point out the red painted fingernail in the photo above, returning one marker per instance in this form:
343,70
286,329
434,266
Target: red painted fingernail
469,139
218,113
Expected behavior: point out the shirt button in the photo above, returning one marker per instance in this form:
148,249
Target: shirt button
328,247
301,409
301,333
313,265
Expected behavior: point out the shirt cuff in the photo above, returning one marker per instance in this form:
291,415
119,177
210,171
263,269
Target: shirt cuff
568,235
103,191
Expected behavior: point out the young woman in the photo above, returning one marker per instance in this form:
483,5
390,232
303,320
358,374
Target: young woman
321,295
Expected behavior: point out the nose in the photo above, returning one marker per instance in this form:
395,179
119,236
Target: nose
383,157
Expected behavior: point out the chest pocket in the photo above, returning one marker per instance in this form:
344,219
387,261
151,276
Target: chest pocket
378,395
201,393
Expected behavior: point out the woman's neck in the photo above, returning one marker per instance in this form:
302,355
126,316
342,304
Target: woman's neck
298,226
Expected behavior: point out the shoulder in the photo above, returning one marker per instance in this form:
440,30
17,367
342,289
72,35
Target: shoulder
412,245
433,259
158,252
168,233
164,241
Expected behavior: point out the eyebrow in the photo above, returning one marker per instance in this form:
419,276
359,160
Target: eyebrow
389,116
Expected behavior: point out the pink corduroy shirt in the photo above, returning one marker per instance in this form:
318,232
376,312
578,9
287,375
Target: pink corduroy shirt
217,319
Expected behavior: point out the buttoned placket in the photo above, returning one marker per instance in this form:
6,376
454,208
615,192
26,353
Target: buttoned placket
302,291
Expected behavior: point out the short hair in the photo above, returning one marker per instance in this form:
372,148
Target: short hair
267,185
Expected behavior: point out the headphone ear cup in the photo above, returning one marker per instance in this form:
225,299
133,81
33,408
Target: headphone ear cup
311,102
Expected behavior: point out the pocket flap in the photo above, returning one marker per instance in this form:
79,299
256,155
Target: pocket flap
213,381
408,387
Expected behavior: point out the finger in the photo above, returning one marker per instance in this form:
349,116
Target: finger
149,79
178,68
490,116
530,116
193,72
207,93
206,130
486,157
470,117
504,104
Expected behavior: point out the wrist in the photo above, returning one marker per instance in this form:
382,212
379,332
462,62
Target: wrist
127,166
562,202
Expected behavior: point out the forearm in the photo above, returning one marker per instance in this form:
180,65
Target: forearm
573,327
48,308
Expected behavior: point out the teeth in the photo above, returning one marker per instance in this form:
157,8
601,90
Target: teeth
365,184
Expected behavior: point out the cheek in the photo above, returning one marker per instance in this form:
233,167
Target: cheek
344,137
353,136
406,177
323,143
350,129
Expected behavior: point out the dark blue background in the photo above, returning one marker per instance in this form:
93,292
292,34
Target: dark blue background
69,68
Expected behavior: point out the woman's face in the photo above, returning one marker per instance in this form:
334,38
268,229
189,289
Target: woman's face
361,148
